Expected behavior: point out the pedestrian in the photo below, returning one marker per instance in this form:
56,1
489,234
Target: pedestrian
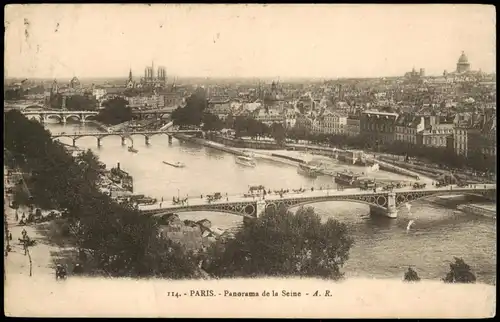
160,204
201,196
161,199
17,217
227,199
10,236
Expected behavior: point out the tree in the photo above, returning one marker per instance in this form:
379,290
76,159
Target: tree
278,132
81,103
192,112
280,243
459,272
411,276
211,122
115,111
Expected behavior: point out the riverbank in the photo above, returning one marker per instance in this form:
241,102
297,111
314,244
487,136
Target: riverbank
486,210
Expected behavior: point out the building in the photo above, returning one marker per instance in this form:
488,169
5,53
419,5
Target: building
146,102
378,127
437,135
98,93
463,64
269,116
332,123
150,80
352,125
290,117
303,122
173,100
221,108
408,127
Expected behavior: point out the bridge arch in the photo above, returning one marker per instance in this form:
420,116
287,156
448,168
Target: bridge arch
184,210
379,202
74,116
51,116
89,117
403,198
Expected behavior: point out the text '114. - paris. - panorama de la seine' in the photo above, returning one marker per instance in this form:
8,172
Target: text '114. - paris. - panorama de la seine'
250,160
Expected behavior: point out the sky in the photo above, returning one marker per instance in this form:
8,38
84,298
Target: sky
207,40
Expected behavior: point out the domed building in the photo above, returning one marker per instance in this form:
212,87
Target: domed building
463,64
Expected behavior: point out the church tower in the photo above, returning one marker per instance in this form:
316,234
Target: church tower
130,82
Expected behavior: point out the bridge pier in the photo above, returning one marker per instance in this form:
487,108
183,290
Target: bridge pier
63,120
74,142
169,138
146,139
98,142
261,208
123,140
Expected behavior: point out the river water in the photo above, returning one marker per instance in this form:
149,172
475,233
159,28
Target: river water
383,248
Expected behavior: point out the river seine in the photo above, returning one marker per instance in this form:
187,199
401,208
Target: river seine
382,247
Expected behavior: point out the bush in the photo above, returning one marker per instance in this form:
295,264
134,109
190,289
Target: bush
411,276
459,272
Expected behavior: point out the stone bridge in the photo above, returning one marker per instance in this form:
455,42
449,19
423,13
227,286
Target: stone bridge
62,116
123,135
383,202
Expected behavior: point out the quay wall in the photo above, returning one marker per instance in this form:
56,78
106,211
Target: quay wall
246,144
207,143
392,168
478,210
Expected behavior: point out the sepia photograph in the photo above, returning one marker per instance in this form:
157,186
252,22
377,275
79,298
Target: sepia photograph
250,160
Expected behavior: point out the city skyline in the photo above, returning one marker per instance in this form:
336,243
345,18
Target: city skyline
223,41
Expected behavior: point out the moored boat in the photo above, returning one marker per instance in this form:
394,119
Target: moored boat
175,164
308,170
347,178
246,161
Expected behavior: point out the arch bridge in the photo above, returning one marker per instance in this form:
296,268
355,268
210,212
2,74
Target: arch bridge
384,203
62,116
123,135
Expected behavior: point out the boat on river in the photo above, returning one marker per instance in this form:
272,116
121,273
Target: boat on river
131,149
246,161
347,178
175,164
308,170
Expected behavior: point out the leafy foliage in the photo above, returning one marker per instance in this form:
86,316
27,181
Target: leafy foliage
211,122
193,112
115,111
459,272
81,103
284,244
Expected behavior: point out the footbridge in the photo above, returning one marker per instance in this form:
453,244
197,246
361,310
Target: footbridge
123,135
62,116
381,202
